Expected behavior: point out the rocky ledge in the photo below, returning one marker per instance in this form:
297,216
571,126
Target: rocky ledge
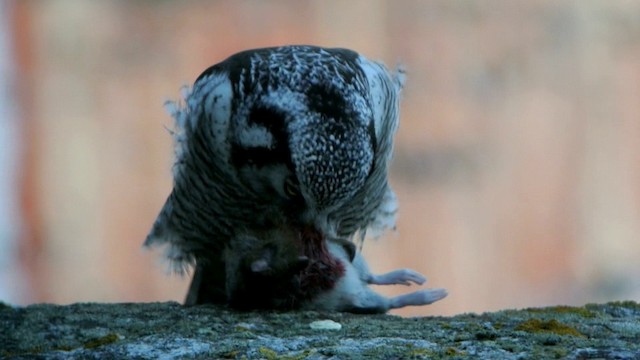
169,330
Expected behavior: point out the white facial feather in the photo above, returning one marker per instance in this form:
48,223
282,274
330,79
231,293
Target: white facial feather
257,136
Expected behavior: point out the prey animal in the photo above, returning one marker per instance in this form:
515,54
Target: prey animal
272,272
290,144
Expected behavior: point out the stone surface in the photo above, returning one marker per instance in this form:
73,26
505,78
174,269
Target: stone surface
170,331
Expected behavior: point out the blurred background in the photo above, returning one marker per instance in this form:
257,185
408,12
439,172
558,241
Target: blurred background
517,161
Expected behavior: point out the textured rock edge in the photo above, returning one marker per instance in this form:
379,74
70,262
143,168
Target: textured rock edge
169,330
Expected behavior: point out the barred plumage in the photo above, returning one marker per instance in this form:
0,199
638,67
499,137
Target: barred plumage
295,136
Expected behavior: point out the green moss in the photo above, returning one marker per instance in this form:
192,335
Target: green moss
304,355
268,353
32,351
451,351
65,348
107,339
272,355
562,309
573,310
414,352
231,354
551,326
420,353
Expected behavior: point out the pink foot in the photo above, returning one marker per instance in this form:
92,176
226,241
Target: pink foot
418,298
398,277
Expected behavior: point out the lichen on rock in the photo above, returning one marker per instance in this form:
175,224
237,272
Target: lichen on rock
169,330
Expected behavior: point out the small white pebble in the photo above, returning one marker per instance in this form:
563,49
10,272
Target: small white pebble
246,326
206,331
325,325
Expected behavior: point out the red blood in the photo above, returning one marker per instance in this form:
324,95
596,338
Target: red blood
323,271
291,283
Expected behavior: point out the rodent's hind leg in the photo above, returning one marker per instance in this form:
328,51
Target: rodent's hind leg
368,301
417,298
397,277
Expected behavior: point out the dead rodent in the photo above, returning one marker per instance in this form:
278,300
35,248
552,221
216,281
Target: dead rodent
282,270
